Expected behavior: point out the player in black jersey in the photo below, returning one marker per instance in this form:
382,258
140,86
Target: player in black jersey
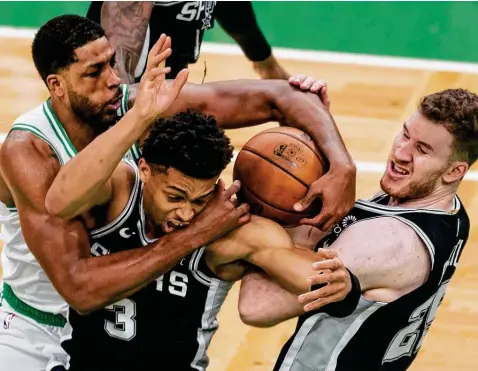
134,26
172,319
403,245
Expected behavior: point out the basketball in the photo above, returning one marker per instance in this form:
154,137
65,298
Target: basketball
276,168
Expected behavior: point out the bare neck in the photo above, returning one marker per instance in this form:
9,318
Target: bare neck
151,229
441,200
79,132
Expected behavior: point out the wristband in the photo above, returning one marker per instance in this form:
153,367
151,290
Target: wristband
347,305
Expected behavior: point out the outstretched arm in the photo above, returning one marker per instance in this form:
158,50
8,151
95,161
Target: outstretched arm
267,246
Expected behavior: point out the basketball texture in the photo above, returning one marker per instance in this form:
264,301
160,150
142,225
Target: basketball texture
276,168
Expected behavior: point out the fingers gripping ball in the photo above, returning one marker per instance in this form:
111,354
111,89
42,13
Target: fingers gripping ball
276,168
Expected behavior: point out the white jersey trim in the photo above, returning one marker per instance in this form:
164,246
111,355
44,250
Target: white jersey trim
125,214
428,244
367,205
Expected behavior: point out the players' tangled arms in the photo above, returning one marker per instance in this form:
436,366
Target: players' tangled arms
122,242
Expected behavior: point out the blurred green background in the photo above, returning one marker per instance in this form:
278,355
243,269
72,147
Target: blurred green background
436,30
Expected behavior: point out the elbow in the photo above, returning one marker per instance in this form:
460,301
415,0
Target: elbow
77,296
252,315
79,303
82,307
55,207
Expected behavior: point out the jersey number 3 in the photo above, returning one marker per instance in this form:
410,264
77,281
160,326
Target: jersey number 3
124,327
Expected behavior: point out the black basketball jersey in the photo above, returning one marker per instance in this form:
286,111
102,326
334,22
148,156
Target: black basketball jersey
381,336
184,21
167,325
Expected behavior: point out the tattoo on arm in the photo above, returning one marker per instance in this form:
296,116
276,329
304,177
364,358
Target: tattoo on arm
126,23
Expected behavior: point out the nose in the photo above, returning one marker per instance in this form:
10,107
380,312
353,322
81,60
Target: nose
403,152
113,80
185,213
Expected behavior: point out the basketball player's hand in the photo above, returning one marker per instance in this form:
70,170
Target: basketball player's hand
155,95
333,278
221,214
308,83
336,190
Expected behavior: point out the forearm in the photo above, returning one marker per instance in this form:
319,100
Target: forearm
242,103
92,167
125,24
263,303
306,112
289,267
94,282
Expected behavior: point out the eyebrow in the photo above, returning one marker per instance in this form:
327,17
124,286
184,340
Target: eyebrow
419,142
177,189
101,63
174,188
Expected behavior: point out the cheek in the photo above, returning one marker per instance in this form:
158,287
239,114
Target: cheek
198,209
427,169
91,89
163,206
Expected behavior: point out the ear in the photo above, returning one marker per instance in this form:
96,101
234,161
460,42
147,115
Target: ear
144,170
456,171
56,85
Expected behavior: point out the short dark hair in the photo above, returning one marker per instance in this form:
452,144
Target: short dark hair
189,142
54,45
457,110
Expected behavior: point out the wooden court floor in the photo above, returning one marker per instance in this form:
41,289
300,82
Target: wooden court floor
369,105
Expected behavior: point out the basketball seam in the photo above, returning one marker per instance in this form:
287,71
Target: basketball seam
248,149
273,206
319,157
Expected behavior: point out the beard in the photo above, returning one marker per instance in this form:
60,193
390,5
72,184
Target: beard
91,113
414,190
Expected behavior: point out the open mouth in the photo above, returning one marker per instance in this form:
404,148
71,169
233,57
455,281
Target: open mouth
172,225
115,103
397,170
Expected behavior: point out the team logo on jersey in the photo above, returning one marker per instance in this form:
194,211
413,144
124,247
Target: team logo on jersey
193,11
348,220
125,233
8,320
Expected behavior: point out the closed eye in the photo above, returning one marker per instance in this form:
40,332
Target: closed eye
173,198
421,150
94,73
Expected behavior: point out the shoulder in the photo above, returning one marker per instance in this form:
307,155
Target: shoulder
124,175
381,237
384,253
385,234
23,148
